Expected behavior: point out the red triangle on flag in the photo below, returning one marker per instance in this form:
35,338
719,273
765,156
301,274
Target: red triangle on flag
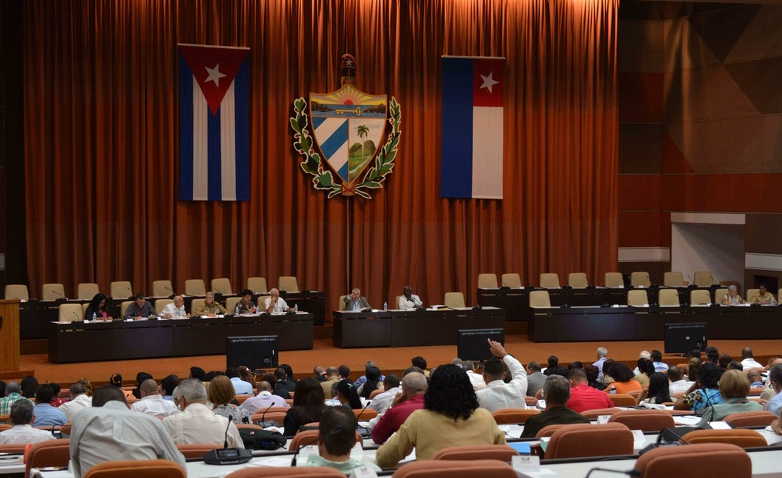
214,68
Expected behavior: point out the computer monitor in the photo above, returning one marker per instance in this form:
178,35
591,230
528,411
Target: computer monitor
254,352
684,337
472,343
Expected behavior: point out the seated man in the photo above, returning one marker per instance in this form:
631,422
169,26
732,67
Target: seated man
556,391
241,387
678,385
22,431
152,402
535,378
382,401
139,308
474,374
176,309
209,307
197,423
582,396
332,378
108,431
263,401
764,297
408,300
411,399
354,302
336,438
45,414
732,297
274,303
775,381
12,395
79,401
245,305
657,361
748,361
498,394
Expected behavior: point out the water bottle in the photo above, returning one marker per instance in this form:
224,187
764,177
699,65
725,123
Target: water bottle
385,306
94,316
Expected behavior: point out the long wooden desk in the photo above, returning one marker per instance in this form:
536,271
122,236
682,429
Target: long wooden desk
397,328
516,301
122,340
576,324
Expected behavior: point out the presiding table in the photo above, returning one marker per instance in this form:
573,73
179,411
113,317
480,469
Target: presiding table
122,340
582,324
399,328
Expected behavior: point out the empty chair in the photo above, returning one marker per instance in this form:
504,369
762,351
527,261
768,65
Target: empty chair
739,437
577,280
699,298
750,419
646,420
222,285
230,304
752,294
623,399
195,451
121,290
11,449
674,279
17,291
695,461
703,279
454,300
487,281
668,298
549,280
593,414
719,294
54,453
52,292
195,287
160,304
139,468
539,299
584,440
455,469
70,313
511,280
614,279
286,472
514,416
640,279
637,298
479,452
162,288
87,290
197,305
257,285
288,283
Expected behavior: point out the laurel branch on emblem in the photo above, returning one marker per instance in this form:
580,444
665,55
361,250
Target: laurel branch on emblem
322,177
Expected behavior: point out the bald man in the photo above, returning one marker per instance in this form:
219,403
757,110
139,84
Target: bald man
274,304
410,399
354,302
176,309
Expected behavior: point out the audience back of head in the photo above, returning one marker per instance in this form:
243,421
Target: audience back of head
450,393
337,431
106,394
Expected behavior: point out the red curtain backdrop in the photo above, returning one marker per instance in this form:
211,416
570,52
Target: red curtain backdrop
101,144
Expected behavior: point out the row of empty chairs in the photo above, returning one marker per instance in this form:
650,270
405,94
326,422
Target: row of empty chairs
160,288
666,297
578,280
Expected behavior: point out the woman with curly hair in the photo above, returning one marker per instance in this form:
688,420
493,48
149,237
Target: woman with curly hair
450,417
705,392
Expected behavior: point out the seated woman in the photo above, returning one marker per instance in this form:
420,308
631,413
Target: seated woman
704,392
624,380
659,390
336,438
645,371
346,393
98,308
734,388
372,383
221,394
307,407
211,307
450,417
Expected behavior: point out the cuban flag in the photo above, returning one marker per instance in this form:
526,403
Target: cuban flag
471,162
214,123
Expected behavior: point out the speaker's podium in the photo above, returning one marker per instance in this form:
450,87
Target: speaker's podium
9,336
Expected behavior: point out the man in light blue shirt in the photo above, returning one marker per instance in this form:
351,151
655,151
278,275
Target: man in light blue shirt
240,386
45,414
602,355
775,379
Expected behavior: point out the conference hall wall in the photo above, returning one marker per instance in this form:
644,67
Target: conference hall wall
101,144
700,123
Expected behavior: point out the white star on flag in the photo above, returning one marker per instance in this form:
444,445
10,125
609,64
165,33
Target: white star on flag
215,75
488,82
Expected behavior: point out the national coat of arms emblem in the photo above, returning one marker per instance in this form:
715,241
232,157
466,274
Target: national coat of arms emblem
348,140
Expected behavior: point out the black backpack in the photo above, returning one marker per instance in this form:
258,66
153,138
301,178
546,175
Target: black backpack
262,439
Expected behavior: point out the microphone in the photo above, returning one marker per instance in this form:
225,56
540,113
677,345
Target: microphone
618,472
225,455
263,414
225,440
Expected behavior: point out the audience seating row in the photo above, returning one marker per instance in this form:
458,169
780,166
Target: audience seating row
578,280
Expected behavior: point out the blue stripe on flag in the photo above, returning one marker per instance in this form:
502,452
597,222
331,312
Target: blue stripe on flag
336,140
317,121
185,131
213,151
242,131
456,133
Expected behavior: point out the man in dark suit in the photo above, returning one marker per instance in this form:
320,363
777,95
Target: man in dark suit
556,392
354,302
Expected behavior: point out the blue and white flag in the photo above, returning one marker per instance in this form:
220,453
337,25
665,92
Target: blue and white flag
214,123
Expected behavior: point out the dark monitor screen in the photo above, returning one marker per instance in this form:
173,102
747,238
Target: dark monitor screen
681,338
472,343
254,352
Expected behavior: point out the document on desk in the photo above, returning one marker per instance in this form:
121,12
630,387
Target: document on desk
512,431
687,420
771,437
639,440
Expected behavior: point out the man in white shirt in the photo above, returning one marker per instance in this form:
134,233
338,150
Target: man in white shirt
476,379
176,309
264,400
79,401
408,300
274,304
382,401
498,394
678,386
748,361
197,423
152,402
108,431
602,356
657,360
22,431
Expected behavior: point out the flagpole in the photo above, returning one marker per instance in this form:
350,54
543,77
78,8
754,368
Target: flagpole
347,242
